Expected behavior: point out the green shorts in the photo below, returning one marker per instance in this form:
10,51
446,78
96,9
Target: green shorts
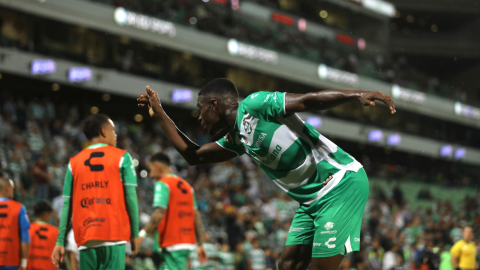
103,258
331,225
174,260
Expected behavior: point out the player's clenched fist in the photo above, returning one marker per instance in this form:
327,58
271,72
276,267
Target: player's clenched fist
151,101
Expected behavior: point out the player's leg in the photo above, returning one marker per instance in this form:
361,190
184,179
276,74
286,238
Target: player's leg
295,257
338,221
328,263
298,249
175,259
111,257
88,259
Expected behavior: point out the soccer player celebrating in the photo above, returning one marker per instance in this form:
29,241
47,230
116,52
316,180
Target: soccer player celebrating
100,196
14,225
330,185
43,237
175,216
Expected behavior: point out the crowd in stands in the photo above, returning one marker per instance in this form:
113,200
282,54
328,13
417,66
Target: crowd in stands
224,22
242,209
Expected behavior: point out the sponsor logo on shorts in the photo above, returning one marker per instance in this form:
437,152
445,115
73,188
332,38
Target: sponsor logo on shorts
356,239
328,226
330,240
293,229
328,232
316,244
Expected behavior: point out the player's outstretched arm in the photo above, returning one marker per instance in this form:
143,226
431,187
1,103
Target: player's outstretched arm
193,153
327,99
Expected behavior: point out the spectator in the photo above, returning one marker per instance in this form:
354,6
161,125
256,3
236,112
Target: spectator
390,258
240,258
42,178
464,251
256,256
446,259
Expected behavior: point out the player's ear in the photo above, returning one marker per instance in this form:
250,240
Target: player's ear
103,132
214,102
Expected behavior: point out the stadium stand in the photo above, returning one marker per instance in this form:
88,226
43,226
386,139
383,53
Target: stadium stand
236,199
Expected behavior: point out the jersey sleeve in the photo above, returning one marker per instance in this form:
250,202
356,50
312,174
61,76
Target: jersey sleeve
127,170
24,225
232,143
195,206
161,195
65,217
456,249
265,105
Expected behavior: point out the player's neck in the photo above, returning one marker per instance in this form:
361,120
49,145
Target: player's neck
98,140
231,116
39,220
166,173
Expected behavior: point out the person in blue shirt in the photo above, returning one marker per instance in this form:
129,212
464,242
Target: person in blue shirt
14,225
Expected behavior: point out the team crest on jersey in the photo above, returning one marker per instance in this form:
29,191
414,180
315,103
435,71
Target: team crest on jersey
247,127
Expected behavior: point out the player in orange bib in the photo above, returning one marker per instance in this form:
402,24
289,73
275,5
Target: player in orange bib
175,216
14,224
42,238
100,196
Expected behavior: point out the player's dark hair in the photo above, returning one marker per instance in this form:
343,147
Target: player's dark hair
220,86
161,157
41,207
92,126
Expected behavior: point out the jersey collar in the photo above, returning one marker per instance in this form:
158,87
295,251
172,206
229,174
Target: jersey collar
168,175
97,145
40,222
4,199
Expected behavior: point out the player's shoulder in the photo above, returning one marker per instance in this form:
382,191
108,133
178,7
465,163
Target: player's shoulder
16,204
159,185
114,149
458,244
259,101
255,98
53,229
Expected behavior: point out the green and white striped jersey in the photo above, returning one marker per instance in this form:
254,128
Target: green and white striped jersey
227,261
210,264
291,152
257,259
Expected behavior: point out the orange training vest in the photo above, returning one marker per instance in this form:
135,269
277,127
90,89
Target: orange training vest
9,233
178,224
98,200
42,241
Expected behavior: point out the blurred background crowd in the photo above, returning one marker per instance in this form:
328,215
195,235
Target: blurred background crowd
241,208
421,197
